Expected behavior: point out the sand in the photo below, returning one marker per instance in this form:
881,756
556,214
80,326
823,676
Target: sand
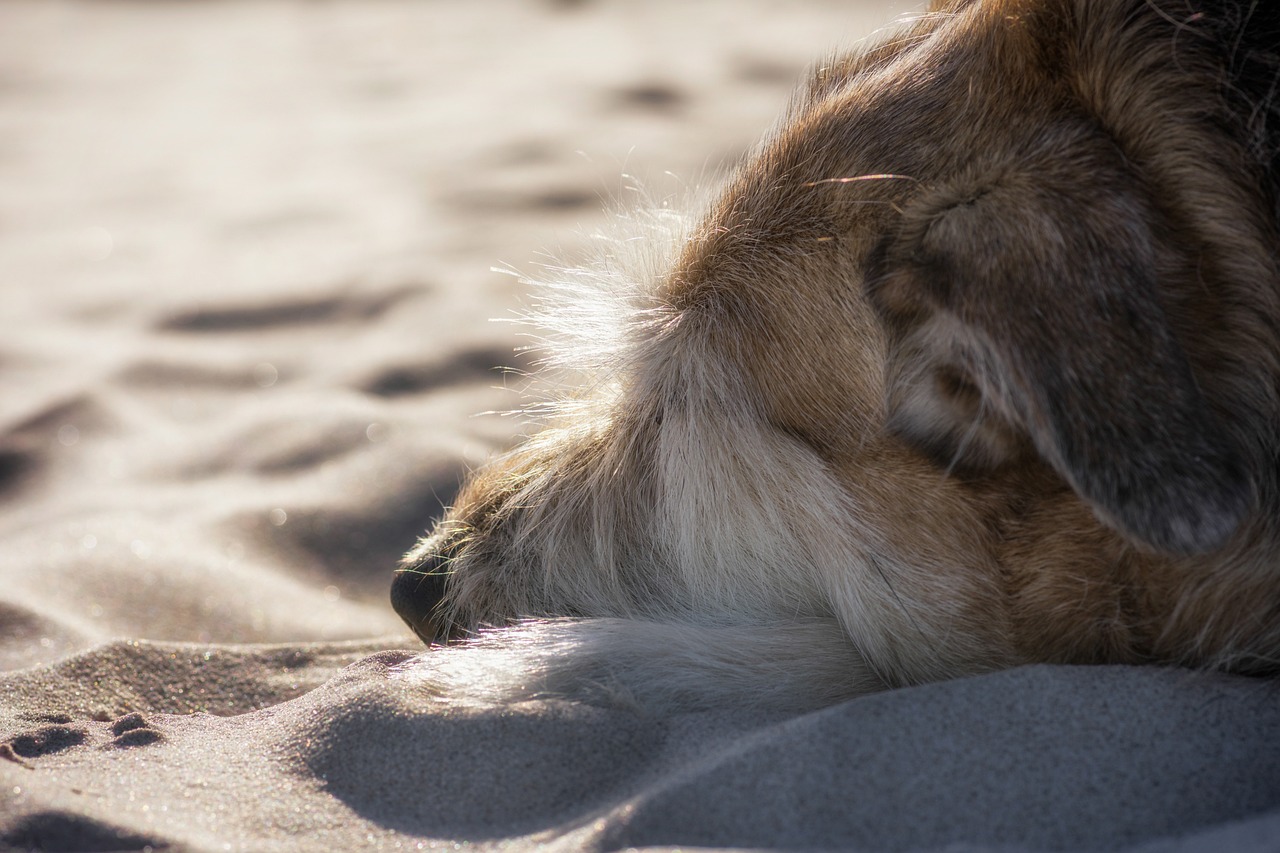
245,277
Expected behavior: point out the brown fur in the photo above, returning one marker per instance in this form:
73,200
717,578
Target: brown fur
1009,280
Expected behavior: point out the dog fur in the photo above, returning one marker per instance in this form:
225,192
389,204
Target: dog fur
975,362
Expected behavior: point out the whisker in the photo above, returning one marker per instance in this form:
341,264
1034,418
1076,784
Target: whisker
883,177
1184,24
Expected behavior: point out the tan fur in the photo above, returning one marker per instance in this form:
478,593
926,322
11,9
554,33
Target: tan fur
976,358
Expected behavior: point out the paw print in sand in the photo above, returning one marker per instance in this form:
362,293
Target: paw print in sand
133,730
43,741
129,731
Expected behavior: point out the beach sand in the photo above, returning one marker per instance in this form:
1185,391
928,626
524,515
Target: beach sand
246,255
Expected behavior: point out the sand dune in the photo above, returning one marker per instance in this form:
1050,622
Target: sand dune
245,273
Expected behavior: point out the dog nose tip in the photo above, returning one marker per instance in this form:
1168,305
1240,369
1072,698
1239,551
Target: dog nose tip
415,593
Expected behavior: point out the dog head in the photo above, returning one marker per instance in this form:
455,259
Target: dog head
987,328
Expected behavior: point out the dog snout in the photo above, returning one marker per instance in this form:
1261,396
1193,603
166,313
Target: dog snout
416,593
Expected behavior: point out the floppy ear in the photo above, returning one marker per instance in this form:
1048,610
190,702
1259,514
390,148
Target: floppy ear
1039,294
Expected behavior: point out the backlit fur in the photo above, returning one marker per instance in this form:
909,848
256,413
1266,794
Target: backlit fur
974,362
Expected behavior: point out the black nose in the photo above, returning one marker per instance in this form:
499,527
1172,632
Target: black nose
415,592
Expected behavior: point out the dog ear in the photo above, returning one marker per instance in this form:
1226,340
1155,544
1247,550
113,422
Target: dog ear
1027,307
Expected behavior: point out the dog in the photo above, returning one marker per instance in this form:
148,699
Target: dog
973,363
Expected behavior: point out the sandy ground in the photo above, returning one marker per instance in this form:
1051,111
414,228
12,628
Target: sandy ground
245,279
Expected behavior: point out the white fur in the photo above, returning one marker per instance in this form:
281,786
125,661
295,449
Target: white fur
734,525
797,665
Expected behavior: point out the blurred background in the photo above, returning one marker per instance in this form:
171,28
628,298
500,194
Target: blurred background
246,254
175,146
